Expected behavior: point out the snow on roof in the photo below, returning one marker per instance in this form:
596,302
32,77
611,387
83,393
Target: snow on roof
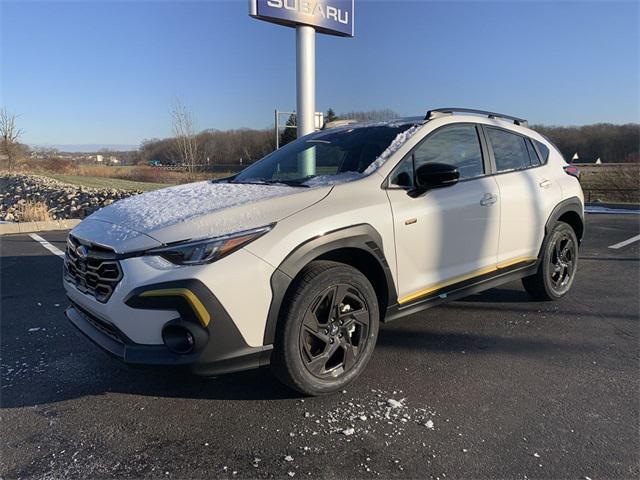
396,122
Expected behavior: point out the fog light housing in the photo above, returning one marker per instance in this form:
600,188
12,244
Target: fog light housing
184,338
178,339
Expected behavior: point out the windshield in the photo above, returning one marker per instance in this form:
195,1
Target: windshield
323,154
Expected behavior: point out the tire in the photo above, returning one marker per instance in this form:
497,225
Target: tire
558,265
328,329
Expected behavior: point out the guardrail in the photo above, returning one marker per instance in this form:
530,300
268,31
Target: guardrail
611,194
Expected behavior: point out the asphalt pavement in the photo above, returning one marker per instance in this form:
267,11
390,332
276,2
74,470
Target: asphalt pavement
493,386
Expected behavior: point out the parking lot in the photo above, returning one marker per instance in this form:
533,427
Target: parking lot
493,386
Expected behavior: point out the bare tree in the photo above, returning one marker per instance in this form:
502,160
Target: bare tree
185,140
9,135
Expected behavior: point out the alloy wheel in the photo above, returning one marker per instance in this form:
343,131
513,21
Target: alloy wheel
563,262
334,331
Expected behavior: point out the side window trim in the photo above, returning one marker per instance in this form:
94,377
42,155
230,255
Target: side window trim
490,163
484,151
531,150
493,158
543,160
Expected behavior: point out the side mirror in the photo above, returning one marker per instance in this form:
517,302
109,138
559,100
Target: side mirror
436,175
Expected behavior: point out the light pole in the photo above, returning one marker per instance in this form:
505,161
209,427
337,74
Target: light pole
305,78
306,93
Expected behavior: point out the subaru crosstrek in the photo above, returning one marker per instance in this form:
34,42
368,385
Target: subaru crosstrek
296,260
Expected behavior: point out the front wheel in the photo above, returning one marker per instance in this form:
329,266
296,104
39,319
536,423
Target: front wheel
328,330
558,265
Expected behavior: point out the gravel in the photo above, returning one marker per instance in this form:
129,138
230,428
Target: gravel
64,201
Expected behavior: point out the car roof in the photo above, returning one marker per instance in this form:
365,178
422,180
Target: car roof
505,121
347,124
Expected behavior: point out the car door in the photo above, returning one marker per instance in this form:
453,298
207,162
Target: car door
528,194
445,235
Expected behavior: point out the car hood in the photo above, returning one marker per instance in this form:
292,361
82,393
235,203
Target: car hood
192,211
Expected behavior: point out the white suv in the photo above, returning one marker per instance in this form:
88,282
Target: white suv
297,259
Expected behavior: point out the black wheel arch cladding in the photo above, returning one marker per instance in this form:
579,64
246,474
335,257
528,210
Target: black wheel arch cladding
570,211
346,244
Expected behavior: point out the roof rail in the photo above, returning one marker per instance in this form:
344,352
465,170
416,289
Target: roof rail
451,110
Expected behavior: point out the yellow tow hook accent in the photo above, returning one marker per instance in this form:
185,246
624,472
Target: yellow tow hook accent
194,301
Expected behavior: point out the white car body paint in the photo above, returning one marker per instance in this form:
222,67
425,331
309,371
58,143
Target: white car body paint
453,234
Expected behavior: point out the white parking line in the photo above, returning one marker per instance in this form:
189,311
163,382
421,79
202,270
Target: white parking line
625,243
53,249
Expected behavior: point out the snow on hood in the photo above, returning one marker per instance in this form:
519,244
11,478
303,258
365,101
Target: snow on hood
160,208
110,235
196,210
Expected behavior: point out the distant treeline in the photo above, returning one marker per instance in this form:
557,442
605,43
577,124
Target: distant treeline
215,147
610,143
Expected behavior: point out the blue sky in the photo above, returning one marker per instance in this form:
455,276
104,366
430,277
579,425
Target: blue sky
107,72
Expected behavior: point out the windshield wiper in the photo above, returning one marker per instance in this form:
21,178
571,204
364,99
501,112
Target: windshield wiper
260,181
254,181
292,183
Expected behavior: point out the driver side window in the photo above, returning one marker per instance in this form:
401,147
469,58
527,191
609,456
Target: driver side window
456,145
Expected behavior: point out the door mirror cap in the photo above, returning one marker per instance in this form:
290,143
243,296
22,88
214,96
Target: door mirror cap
436,175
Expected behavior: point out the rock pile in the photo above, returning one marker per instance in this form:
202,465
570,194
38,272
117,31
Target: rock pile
63,200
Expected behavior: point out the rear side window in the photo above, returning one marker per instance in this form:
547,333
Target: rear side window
544,151
533,155
509,150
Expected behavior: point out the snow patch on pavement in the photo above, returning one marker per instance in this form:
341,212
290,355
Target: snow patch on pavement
380,414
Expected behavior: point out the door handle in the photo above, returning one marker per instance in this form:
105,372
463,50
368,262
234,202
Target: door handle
545,183
488,199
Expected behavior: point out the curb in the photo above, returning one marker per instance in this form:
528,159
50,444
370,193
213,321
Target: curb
31,227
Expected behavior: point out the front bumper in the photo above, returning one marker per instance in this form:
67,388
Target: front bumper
240,282
224,351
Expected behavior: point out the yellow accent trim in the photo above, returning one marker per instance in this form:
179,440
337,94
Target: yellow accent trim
476,273
194,302
515,261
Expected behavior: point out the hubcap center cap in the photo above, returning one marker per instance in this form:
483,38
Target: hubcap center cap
333,329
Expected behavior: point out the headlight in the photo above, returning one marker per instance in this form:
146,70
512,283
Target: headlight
199,252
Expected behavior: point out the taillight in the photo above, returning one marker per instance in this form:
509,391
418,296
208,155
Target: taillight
573,171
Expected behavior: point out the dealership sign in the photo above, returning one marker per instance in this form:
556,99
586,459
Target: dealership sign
334,17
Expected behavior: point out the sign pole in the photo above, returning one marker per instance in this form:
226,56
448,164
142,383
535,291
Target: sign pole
331,17
277,131
306,93
305,78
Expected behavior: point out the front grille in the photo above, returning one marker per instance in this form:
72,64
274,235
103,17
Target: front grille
92,270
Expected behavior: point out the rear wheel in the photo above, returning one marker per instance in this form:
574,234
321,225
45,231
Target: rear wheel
558,265
328,331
